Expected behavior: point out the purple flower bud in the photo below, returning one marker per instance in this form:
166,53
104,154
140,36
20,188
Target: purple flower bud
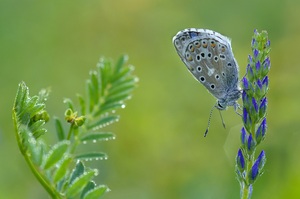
263,107
250,143
259,84
255,32
267,63
261,131
254,103
245,83
268,44
250,73
249,58
265,81
244,97
255,53
263,127
245,115
243,135
258,166
240,160
253,42
257,65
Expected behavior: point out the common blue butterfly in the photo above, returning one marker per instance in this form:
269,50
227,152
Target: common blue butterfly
209,57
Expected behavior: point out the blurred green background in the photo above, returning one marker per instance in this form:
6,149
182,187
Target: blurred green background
160,152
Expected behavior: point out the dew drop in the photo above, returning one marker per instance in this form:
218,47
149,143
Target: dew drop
96,172
94,141
32,140
84,142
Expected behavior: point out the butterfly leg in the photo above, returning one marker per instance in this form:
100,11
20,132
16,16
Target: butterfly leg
236,107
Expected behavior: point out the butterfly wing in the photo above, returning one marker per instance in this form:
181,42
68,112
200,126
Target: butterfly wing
208,56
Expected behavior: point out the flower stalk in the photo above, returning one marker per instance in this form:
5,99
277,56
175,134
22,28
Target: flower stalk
255,84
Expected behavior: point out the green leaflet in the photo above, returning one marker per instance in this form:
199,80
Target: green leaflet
56,153
91,156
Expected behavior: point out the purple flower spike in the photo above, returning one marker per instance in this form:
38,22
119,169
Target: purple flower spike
240,160
254,103
255,53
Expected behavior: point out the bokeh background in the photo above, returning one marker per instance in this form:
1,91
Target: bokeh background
160,152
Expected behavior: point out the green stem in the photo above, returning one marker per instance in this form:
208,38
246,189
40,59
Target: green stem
52,192
245,185
246,192
46,184
70,131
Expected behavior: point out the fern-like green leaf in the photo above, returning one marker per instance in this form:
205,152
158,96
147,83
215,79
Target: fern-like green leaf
106,91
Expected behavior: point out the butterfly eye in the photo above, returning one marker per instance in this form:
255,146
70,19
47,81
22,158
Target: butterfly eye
202,79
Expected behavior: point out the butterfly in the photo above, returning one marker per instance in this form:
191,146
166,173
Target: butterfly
208,56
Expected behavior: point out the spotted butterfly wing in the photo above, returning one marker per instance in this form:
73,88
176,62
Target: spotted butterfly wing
209,57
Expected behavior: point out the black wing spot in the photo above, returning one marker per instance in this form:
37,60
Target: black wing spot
199,68
202,79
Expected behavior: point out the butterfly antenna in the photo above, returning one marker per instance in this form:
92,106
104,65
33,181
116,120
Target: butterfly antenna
222,119
208,124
